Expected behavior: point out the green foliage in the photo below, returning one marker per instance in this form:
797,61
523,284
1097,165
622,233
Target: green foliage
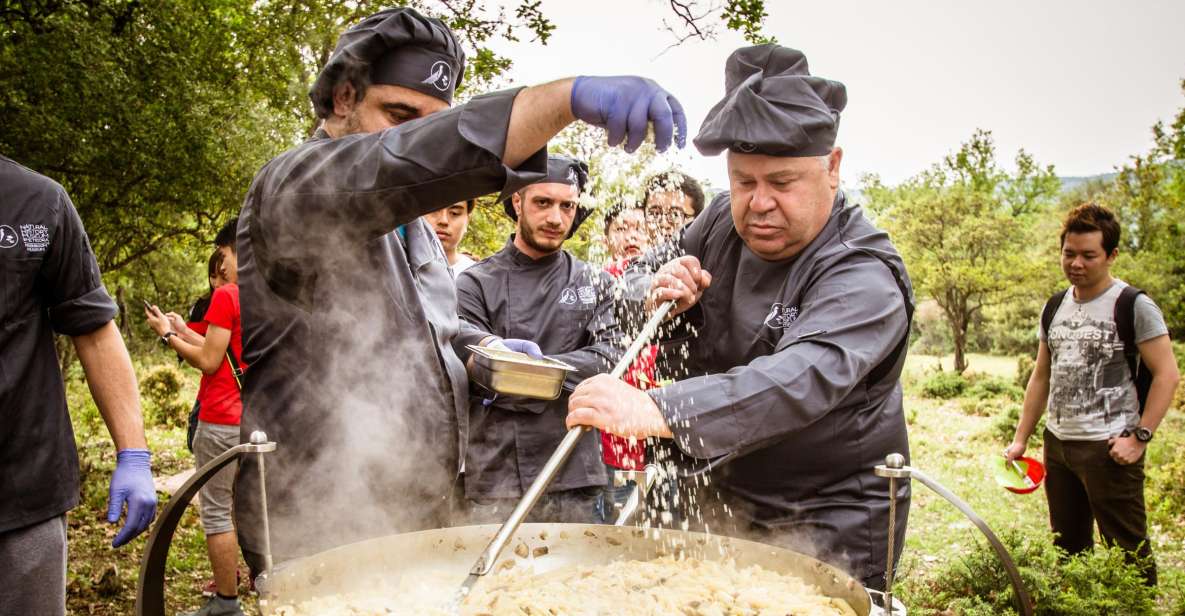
964,229
161,387
1095,582
992,387
746,17
944,385
1003,427
930,333
1024,371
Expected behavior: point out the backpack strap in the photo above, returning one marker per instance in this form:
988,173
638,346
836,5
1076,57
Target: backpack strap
1050,309
1125,326
235,370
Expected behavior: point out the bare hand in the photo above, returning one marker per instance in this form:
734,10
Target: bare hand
157,320
1015,450
176,322
1126,449
681,280
612,406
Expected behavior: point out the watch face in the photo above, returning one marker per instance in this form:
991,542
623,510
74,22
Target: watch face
1143,434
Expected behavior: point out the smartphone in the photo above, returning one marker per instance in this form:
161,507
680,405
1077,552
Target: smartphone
147,306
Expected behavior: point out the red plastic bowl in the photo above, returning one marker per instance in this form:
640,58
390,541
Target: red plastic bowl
1035,471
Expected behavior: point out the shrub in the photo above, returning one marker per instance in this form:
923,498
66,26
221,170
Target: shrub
1099,581
1024,370
162,388
995,387
1004,425
981,407
944,385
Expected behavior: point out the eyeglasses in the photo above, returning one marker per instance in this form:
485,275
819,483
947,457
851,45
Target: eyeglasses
667,214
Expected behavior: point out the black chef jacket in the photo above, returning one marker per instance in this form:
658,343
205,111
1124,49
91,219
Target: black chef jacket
566,306
793,370
49,283
351,331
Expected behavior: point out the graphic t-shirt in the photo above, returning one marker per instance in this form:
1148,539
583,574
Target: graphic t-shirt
1091,393
219,393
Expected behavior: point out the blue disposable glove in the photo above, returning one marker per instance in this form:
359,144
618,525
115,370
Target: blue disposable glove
624,106
526,347
131,483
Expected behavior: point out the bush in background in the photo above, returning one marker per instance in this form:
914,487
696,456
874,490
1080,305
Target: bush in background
1024,370
1004,426
1099,581
161,388
944,385
986,388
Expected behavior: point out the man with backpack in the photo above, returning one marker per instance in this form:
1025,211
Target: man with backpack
1106,372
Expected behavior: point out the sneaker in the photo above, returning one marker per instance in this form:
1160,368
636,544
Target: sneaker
210,588
217,606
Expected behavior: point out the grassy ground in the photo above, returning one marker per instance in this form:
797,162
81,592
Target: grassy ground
951,441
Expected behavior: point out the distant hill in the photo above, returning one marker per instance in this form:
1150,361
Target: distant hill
1074,181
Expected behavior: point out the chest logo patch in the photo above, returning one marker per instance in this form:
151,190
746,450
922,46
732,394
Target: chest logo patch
568,297
587,295
780,317
36,237
7,236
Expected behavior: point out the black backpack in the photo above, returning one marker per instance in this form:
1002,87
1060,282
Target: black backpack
1125,324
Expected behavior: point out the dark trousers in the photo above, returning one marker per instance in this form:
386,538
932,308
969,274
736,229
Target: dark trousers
576,506
1086,487
33,569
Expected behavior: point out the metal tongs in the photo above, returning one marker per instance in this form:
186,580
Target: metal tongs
485,562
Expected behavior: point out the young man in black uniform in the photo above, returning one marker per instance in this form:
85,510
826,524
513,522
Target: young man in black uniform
51,284
349,312
533,288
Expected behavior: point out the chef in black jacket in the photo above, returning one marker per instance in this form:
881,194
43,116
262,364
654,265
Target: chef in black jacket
349,314
794,314
533,288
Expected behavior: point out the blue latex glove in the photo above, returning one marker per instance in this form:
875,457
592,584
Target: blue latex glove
624,106
131,483
526,347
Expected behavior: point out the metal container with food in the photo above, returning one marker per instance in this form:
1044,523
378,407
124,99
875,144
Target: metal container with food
517,374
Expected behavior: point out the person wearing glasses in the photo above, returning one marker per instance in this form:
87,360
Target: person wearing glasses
672,200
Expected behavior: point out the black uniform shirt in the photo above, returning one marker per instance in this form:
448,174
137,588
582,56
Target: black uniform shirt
356,353
49,282
566,306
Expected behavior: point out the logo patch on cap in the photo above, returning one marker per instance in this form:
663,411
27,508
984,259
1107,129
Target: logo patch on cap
744,146
440,76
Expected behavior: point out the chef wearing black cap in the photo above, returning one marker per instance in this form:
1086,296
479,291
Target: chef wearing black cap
795,313
532,288
349,314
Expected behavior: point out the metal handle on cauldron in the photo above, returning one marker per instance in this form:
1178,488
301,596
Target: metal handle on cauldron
643,481
895,468
485,562
150,590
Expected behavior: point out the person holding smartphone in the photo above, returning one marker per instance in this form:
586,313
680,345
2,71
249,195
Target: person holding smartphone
218,355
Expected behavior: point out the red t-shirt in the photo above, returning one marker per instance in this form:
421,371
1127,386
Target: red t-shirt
218,394
616,451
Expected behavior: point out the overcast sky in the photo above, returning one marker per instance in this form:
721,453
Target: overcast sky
1077,84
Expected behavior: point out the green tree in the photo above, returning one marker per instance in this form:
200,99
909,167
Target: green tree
965,230
1148,196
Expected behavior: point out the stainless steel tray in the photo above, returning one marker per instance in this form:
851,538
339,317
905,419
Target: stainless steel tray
516,374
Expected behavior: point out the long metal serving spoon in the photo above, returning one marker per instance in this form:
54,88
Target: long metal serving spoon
485,562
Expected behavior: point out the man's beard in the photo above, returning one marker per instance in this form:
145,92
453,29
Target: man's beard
540,244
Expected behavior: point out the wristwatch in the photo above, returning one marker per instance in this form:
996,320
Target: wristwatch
164,340
1142,434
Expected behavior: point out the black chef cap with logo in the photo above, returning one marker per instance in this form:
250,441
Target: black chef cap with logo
395,47
772,105
561,170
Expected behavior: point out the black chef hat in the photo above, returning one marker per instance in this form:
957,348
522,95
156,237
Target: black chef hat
397,47
561,170
772,105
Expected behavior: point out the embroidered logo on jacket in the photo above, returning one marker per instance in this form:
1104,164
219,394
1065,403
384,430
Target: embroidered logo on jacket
7,236
36,237
780,317
568,297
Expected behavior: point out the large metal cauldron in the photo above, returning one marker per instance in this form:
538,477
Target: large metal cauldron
353,568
